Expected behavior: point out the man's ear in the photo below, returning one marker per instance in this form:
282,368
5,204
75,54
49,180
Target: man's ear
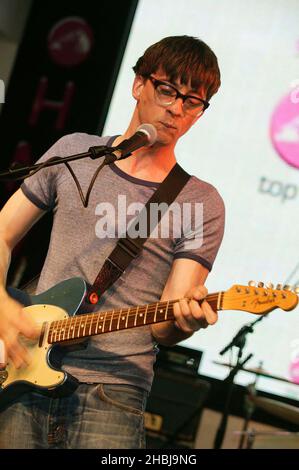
137,88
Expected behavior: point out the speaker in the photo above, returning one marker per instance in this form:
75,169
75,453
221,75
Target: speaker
174,408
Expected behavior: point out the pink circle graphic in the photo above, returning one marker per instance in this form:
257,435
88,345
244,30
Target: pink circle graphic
70,41
284,129
294,370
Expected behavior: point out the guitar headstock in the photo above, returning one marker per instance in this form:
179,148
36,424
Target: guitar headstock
259,299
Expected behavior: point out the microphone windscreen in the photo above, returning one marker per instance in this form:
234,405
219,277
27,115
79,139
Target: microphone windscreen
150,131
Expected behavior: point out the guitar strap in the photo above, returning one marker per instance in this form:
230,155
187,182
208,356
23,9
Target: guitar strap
128,248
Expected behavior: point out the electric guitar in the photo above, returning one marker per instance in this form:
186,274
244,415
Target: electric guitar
59,312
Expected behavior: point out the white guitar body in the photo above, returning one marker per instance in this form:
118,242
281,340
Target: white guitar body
38,373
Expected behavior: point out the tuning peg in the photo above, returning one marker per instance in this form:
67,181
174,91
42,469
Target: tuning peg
260,284
279,287
287,287
252,283
296,290
269,285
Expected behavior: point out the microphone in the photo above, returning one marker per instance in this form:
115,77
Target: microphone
145,136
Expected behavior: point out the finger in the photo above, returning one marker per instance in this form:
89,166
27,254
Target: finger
185,310
185,318
178,315
210,315
28,327
199,315
196,311
3,358
199,292
17,353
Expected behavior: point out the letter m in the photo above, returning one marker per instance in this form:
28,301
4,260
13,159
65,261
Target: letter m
2,92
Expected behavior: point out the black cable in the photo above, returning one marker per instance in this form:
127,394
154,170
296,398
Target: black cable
109,158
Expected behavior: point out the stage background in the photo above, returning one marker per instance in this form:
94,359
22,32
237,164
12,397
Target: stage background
241,145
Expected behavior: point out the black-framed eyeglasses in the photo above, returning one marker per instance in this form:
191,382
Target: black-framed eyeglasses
166,94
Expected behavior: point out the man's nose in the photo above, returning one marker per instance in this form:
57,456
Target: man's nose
177,107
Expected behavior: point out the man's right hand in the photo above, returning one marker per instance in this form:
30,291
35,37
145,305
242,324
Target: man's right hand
15,322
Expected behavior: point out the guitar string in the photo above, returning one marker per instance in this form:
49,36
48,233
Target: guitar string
60,326
127,311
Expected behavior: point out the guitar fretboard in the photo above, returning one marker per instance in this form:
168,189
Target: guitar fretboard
83,326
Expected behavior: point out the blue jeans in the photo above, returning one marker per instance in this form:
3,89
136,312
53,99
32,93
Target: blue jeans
95,416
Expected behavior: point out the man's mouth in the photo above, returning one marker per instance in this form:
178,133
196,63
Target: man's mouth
168,125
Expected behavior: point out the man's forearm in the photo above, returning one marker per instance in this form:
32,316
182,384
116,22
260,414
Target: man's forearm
5,256
167,334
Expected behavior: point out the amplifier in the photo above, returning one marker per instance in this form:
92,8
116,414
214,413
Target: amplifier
174,408
179,358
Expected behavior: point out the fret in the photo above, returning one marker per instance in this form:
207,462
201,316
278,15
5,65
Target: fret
90,318
64,329
86,321
166,310
69,327
67,322
73,326
110,326
219,301
160,310
136,315
155,316
52,330
74,319
97,324
103,330
56,331
140,317
128,314
82,326
60,329
119,315
78,326
145,315
101,319
50,334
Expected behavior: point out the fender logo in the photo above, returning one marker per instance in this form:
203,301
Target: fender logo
262,302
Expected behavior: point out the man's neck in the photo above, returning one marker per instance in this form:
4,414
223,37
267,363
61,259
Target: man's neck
147,163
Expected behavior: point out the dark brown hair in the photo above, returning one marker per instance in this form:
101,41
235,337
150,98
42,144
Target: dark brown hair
185,58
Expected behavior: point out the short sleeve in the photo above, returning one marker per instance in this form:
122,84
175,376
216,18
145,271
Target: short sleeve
202,234
40,188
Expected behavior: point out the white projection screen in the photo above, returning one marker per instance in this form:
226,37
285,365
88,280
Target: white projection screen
247,145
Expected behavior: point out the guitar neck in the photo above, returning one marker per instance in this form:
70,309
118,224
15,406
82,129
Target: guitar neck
84,326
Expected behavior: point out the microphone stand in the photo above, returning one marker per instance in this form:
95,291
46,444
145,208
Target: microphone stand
239,341
93,153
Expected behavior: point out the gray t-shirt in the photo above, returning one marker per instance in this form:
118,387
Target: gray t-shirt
77,248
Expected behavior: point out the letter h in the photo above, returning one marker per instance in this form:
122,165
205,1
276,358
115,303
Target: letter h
62,106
